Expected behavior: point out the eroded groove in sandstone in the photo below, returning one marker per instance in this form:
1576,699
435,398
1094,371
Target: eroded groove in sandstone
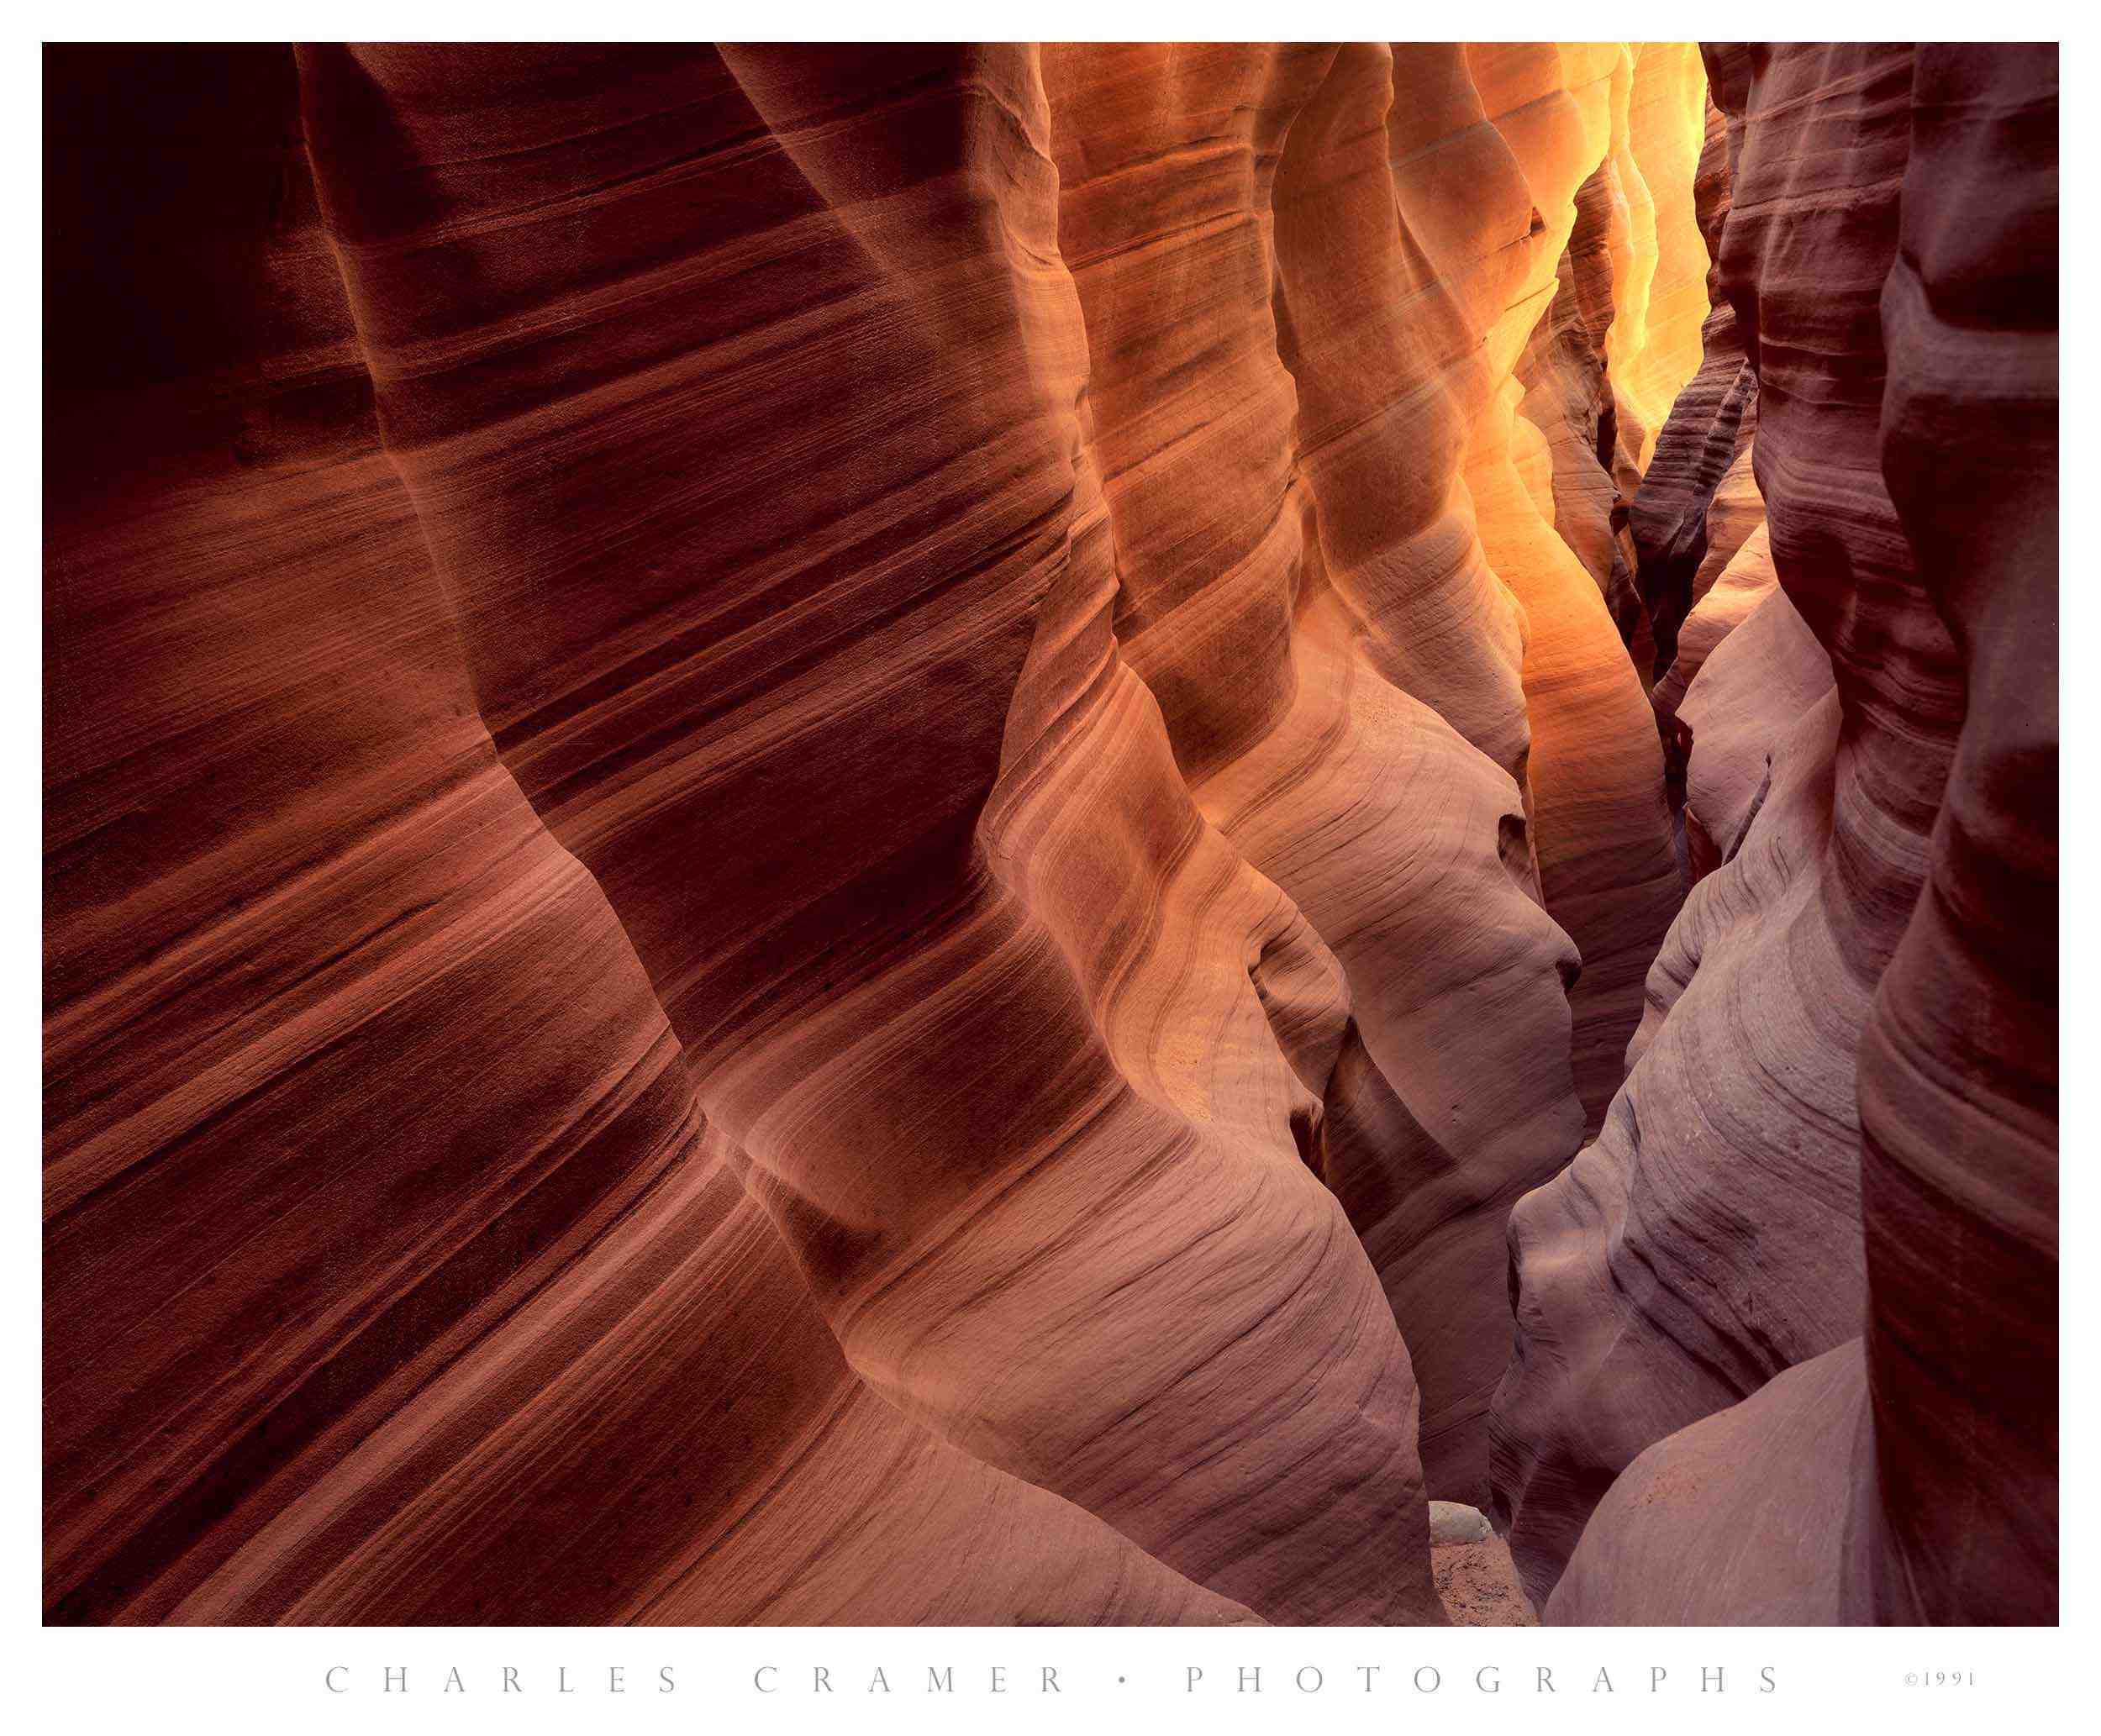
971,1141
1639,1311
1601,828
1697,502
1893,227
392,1273
1357,799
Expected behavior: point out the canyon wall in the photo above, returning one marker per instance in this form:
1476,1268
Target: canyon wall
394,1270
1601,827
1890,258
856,835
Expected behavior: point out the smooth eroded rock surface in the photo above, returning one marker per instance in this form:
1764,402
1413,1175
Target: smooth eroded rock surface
859,835
1856,960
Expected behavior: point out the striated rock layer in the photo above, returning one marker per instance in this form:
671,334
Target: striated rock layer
894,829
394,1272
1959,1068
1891,258
1747,667
1601,826
930,1014
1232,336
1696,501
817,821
1711,1238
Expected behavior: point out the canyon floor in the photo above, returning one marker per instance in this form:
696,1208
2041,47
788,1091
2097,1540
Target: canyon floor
1478,1585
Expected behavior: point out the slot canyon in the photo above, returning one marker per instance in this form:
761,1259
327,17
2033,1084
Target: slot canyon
1013,834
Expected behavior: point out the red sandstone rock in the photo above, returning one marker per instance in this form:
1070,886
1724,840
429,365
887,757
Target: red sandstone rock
797,806
949,1009
1386,828
392,1273
1600,827
1686,1537
1696,501
1911,1476
1711,1238
1697,509
1959,1067
1752,668
1569,399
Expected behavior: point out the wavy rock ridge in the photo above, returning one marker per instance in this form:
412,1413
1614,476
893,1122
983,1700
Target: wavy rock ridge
817,823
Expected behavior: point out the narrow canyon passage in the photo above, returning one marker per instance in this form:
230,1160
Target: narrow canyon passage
1011,833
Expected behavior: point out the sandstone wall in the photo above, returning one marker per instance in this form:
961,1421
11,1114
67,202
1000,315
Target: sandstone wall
860,835
1890,257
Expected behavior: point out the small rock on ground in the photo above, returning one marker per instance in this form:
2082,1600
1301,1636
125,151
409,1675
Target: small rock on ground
1452,1522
